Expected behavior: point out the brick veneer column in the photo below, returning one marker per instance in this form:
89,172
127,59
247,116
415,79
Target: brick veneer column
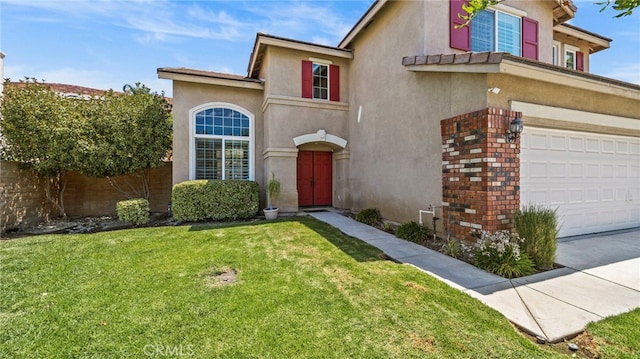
480,172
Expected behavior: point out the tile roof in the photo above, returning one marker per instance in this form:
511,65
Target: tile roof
69,89
496,58
210,74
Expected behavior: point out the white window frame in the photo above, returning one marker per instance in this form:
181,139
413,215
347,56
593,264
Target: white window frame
508,10
322,62
193,136
555,53
568,49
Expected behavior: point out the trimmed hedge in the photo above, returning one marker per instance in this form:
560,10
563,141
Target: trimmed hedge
218,200
135,211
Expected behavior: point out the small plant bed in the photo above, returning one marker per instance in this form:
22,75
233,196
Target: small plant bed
502,252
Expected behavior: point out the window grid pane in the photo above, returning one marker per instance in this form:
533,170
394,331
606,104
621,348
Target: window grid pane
222,122
222,148
482,31
208,158
236,159
320,81
570,59
509,37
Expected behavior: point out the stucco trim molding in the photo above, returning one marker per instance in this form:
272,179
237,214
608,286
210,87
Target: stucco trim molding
303,102
586,121
280,152
342,155
320,136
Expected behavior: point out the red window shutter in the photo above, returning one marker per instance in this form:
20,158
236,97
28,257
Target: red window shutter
458,38
529,38
334,83
579,61
307,79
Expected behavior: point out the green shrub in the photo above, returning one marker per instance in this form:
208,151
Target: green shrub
135,211
215,199
452,248
369,216
499,253
538,226
412,231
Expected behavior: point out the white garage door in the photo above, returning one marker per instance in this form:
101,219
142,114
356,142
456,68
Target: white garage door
593,179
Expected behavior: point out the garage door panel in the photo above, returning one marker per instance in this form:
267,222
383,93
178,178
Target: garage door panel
592,179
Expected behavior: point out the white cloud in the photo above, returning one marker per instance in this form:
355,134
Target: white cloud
301,18
629,73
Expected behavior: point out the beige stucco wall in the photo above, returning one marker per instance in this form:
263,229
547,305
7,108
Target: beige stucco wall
396,146
549,94
190,95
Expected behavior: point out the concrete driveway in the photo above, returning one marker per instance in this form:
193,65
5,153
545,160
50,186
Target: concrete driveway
600,278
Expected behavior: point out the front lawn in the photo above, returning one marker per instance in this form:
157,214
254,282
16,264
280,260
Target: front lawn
301,289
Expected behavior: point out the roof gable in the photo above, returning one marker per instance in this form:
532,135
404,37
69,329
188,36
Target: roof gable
264,40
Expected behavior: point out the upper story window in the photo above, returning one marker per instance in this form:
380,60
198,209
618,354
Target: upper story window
320,80
221,142
573,58
501,28
496,31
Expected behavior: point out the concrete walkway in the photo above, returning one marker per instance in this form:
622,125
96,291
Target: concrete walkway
601,278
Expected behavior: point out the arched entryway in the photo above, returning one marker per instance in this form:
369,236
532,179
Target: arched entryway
315,162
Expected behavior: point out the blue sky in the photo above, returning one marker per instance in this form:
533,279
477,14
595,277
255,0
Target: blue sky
106,44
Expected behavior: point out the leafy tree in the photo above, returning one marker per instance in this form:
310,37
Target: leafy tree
128,133
624,7
106,136
40,129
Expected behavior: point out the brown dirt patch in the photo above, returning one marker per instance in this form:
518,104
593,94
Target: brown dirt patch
220,278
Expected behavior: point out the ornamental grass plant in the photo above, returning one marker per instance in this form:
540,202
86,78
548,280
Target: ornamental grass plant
538,226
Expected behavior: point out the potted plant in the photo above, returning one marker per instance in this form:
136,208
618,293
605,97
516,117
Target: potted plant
273,190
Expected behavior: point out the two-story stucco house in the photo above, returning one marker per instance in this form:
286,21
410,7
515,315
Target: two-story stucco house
409,111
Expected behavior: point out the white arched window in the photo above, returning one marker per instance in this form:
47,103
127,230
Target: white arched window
221,142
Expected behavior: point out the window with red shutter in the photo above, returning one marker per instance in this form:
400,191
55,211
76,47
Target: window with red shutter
320,81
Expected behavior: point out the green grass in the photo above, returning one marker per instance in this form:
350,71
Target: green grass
618,336
303,290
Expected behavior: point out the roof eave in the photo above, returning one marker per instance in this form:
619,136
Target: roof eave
169,74
520,67
363,22
596,42
565,10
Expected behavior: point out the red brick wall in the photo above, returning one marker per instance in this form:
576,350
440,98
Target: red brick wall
480,172
88,196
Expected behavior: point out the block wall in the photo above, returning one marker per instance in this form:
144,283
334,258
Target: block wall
22,197
88,196
480,173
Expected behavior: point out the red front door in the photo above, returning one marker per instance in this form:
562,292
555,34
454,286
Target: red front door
314,178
